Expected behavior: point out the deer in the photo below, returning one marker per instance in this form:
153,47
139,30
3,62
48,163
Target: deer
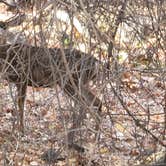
37,66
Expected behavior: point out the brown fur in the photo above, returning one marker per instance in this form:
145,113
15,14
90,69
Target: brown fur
27,65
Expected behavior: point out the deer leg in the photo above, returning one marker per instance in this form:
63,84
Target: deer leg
88,98
70,91
77,117
91,100
21,90
96,105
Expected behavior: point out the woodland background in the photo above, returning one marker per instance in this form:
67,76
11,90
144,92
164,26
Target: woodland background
129,38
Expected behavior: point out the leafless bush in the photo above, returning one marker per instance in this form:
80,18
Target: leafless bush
128,39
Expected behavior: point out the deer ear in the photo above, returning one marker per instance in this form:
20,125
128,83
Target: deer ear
16,20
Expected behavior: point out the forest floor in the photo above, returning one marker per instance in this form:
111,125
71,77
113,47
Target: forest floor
46,126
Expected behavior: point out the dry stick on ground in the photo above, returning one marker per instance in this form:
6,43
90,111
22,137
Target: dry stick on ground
136,121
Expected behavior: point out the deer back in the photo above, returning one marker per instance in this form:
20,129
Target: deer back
39,66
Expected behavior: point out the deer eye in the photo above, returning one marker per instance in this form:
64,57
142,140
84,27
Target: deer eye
3,25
